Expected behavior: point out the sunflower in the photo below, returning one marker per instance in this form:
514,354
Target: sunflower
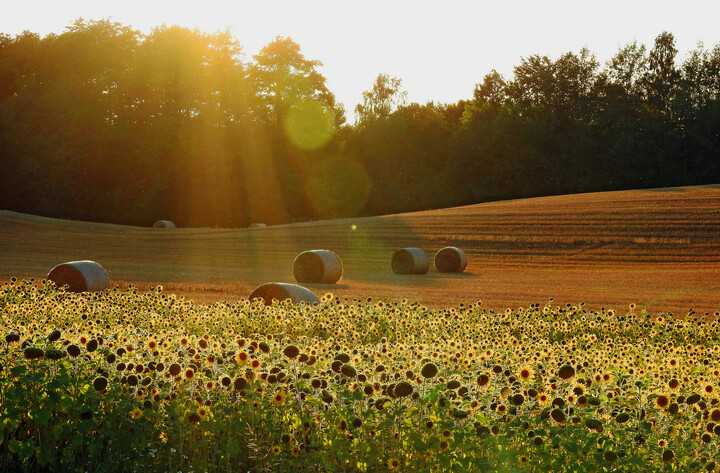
279,398
566,372
136,413
241,358
204,412
526,373
662,401
393,463
276,450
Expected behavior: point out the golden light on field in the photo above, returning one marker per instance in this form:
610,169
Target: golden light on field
573,248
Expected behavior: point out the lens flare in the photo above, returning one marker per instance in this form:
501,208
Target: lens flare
309,125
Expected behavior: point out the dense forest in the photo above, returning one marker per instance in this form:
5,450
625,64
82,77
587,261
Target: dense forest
103,123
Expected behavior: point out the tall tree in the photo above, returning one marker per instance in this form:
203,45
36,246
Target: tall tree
697,108
60,90
379,102
284,77
627,66
661,77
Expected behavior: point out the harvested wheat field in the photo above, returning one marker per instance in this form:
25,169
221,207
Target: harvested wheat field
659,249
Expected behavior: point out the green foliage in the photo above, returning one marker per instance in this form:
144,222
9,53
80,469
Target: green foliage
162,384
384,98
173,123
179,124
566,126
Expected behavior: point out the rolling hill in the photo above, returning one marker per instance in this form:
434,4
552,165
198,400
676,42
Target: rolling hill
657,248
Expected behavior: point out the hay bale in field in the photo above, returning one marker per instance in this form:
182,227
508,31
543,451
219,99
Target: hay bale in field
410,261
163,224
257,225
282,291
317,266
450,260
80,276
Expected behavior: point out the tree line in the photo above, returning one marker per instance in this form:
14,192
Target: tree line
103,123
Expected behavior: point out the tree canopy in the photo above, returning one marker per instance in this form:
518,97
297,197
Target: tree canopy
104,123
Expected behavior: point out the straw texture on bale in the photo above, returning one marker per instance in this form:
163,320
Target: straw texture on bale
163,224
318,266
450,260
283,291
80,276
410,261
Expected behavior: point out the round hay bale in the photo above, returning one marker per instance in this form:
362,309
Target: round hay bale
410,261
450,260
163,224
317,266
257,225
282,291
80,276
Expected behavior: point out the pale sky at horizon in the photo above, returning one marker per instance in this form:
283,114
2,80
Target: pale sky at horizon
439,50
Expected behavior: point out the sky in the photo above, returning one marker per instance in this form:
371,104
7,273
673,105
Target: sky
440,49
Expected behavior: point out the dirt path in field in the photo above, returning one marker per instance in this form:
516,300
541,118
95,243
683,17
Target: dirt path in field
657,248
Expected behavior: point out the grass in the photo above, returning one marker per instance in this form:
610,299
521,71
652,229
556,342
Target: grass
127,380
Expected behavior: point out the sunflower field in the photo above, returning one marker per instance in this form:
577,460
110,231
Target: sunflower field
123,381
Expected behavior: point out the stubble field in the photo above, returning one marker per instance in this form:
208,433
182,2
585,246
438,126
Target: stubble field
659,249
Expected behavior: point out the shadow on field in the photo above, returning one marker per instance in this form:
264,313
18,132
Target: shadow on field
669,189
